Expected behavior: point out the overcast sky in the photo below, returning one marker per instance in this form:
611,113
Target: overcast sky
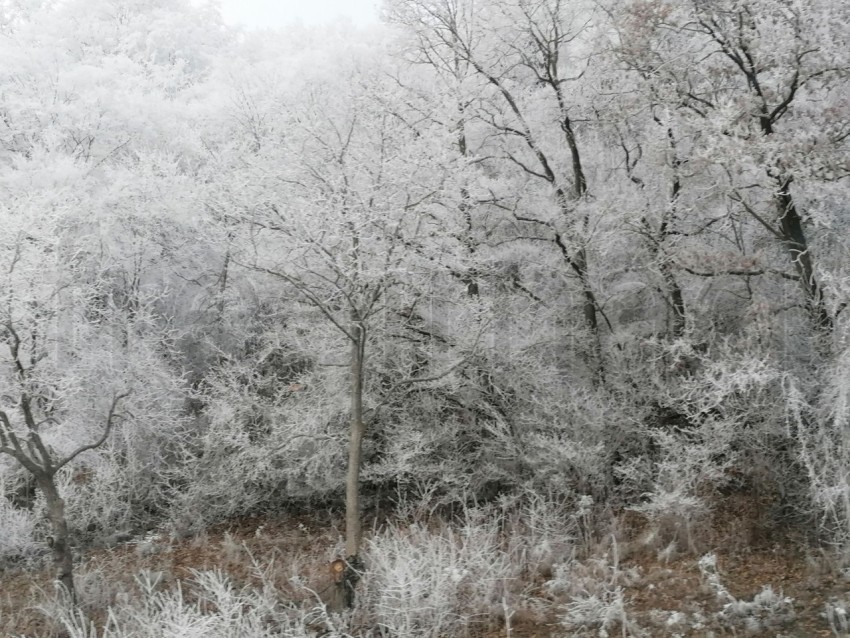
277,13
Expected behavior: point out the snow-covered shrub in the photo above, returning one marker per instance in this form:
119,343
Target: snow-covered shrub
270,431
837,614
718,423
674,505
226,474
544,530
128,482
17,528
429,578
209,606
603,611
823,433
436,582
708,570
767,609
596,602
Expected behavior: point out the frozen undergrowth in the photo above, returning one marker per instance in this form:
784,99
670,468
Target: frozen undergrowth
422,579
16,533
210,605
767,610
595,590
837,615
426,583
438,580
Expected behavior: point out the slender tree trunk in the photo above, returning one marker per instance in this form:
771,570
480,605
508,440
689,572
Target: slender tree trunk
222,286
677,300
352,486
589,307
794,238
353,530
579,180
793,235
470,278
63,559
674,290
671,285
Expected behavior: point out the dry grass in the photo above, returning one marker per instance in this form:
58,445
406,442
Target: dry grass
665,596
297,550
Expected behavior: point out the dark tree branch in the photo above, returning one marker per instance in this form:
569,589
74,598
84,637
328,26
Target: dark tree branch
110,422
739,272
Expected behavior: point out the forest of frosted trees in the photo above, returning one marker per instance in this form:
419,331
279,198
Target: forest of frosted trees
558,275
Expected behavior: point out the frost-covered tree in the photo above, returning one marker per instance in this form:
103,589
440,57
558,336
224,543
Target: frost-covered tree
75,366
753,89
519,62
97,183
337,205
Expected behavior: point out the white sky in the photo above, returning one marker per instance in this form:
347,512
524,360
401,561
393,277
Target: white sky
278,13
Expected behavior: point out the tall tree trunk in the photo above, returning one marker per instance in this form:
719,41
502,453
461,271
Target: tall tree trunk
794,238
63,559
673,290
791,227
677,300
579,260
470,277
222,286
589,309
671,285
353,529
579,180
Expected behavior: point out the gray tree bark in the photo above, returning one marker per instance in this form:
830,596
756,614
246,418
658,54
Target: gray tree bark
353,523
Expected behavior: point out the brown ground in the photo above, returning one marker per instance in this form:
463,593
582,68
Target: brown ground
304,546
679,586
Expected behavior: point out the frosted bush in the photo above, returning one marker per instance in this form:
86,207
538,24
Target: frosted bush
673,512
17,529
596,596
602,611
823,432
837,614
210,607
126,484
233,475
96,495
258,443
766,610
674,505
731,394
422,582
708,570
544,530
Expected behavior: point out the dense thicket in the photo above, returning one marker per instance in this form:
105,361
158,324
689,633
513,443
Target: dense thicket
588,249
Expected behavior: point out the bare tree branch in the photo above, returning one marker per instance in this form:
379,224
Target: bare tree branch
110,422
